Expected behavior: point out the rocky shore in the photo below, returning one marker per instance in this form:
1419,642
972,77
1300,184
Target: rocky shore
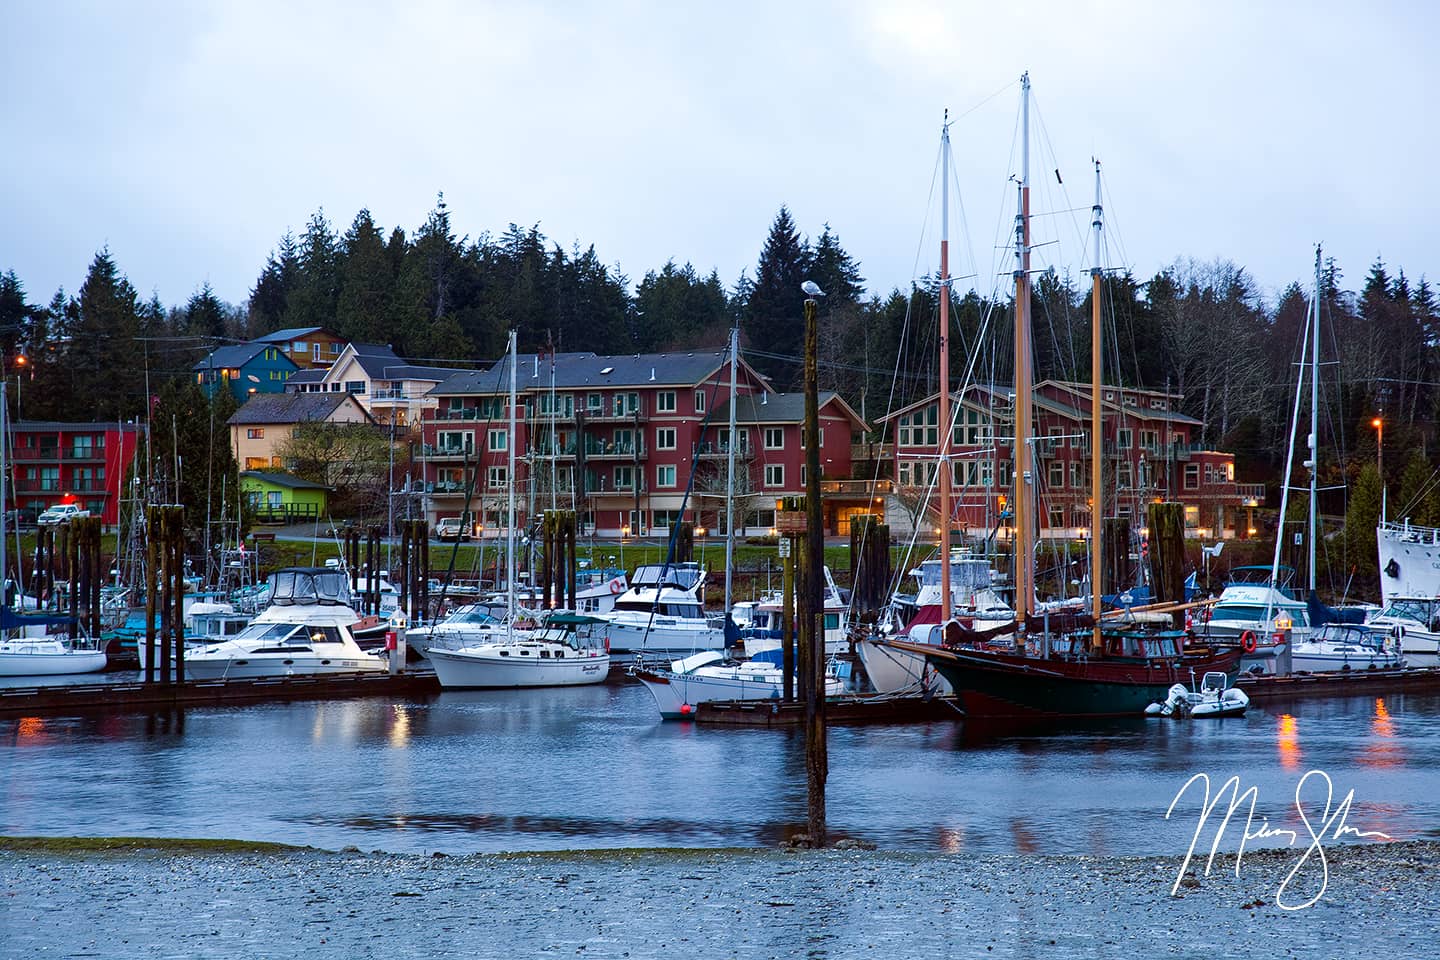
116,898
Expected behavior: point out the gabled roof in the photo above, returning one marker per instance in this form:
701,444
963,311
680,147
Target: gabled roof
233,355
779,408
281,480
307,375
290,333
292,408
578,371
1002,391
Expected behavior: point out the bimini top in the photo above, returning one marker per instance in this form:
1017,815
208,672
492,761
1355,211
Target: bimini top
681,576
305,585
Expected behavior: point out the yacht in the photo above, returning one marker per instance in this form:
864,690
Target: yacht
1409,560
706,676
46,656
567,651
468,625
304,631
1415,623
662,613
1254,608
763,624
1344,646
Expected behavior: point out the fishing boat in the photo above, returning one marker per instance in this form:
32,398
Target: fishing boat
304,631
567,651
1214,698
1056,669
1345,646
709,676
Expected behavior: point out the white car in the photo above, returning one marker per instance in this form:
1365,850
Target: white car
60,513
450,528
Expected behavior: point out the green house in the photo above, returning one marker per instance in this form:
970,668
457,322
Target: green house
283,498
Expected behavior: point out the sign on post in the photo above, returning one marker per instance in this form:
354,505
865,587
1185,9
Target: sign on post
790,522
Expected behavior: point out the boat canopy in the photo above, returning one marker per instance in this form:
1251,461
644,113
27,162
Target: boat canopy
682,576
305,585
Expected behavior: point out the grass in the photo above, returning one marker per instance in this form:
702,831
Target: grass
132,844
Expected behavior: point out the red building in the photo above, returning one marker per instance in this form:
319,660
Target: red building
1149,450
84,463
617,440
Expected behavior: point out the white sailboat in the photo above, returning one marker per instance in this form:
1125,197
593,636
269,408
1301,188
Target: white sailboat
568,652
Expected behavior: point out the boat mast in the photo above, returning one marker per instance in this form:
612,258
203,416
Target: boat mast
1024,535
944,411
1314,463
1097,566
510,519
5,504
730,471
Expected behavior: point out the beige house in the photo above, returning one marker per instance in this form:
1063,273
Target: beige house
267,420
390,388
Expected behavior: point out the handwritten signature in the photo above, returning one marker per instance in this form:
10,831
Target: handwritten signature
1329,825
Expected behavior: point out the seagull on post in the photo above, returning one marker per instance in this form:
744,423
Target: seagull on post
812,289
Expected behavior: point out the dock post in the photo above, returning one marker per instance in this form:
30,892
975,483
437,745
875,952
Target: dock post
572,520
787,621
152,558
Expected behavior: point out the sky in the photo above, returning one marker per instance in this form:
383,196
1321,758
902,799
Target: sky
187,137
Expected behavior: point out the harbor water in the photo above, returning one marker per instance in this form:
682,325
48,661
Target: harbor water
593,767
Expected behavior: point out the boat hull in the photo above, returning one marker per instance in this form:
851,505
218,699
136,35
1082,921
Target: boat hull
892,670
665,637
1010,686
677,694
252,667
475,669
40,664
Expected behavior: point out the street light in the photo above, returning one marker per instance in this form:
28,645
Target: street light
1379,426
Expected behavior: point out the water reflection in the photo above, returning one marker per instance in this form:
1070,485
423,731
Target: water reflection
593,767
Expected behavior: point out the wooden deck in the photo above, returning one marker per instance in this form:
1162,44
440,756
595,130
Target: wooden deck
1353,683
838,711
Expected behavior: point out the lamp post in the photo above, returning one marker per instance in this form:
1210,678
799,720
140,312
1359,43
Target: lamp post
817,762
1379,426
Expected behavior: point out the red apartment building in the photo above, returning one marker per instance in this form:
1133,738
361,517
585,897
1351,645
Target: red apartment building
82,463
1149,449
617,439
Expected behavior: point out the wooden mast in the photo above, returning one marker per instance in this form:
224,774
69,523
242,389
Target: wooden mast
1097,564
1023,453
944,411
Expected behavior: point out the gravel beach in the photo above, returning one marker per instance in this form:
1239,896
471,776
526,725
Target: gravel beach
149,899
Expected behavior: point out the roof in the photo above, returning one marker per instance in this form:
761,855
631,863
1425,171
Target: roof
581,370
281,480
290,333
59,425
291,408
234,355
307,375
778,408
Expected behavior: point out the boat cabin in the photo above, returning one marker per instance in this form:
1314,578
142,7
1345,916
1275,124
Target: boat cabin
307,585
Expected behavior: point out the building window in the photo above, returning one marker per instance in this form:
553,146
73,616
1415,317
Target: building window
255,433
497,440
1123,477
987,473
665,401
1124,437
1057,517
1076,475
356,387
905,474
1057,438
1230,472
300,346
454,442
1192,476
1209,474
904,431
1007,473
1057,475
774,475
664,476
699,401
665,438
254,463
624,478
496,477
774,438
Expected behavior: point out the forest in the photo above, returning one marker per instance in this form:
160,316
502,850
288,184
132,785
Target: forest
1199,329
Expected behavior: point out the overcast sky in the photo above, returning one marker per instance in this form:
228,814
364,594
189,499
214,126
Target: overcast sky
189,136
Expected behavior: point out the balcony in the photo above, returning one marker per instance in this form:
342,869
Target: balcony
44,485
601,450
711,451
871,451
1252,493
609,415
42,452
447,451
855,488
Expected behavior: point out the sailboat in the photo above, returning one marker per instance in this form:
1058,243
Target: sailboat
25,649
1092,672
569,652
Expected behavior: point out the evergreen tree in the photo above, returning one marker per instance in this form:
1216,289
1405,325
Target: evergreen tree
313,301
367,281
1418,497
836,272
189,435
103,347
774,313
270,298
1360,520
17,318
674,308
204,315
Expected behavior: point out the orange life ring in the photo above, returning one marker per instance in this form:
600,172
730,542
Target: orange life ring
1247,642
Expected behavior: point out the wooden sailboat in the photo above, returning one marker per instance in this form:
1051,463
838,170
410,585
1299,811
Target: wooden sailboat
1087,671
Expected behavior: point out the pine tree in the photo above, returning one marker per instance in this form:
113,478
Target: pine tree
103,346
313,301
1418,497
774,313
1360,520
367,282
270,298
204,315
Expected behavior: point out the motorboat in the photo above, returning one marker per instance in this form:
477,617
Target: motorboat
1345,646
1256,609
763,629
468,626
304,631
1215,698
662,613
567,651
1415,623
207,622
707,676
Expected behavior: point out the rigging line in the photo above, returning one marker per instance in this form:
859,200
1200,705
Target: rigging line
1006,87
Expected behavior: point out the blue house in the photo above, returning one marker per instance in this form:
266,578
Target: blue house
245,369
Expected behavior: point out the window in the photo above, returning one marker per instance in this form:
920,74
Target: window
299,346
624,478
356,387
1123,477
1158,404
1209,474
665,401
664,476
254,463
774,438
987,473
255,433
1077,481
335,348
905,474
1149,440
1192,476
742,440
497,440
594,402
1057,517
1230,472
454,442
1007,473
774,475
820,432
274,499
1124,438
665,438
626,404
904,431
699,401
1057,438
1057,474
495,477
318,349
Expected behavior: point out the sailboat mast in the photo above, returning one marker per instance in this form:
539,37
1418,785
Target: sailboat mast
510,519
1024,509
5,501
1097,565
1314,417
730,472
944,411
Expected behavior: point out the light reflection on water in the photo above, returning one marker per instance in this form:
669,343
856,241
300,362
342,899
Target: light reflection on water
592,767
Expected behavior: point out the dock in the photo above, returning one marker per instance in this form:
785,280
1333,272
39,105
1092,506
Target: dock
80,699
850,710
1352,683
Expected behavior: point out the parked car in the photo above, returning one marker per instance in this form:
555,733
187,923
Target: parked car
60,513
451,528
20,518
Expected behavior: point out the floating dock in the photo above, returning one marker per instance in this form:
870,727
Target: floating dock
79,699
1349,683
840,710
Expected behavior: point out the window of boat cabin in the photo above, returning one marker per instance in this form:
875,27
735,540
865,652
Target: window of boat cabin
268,632
321,635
